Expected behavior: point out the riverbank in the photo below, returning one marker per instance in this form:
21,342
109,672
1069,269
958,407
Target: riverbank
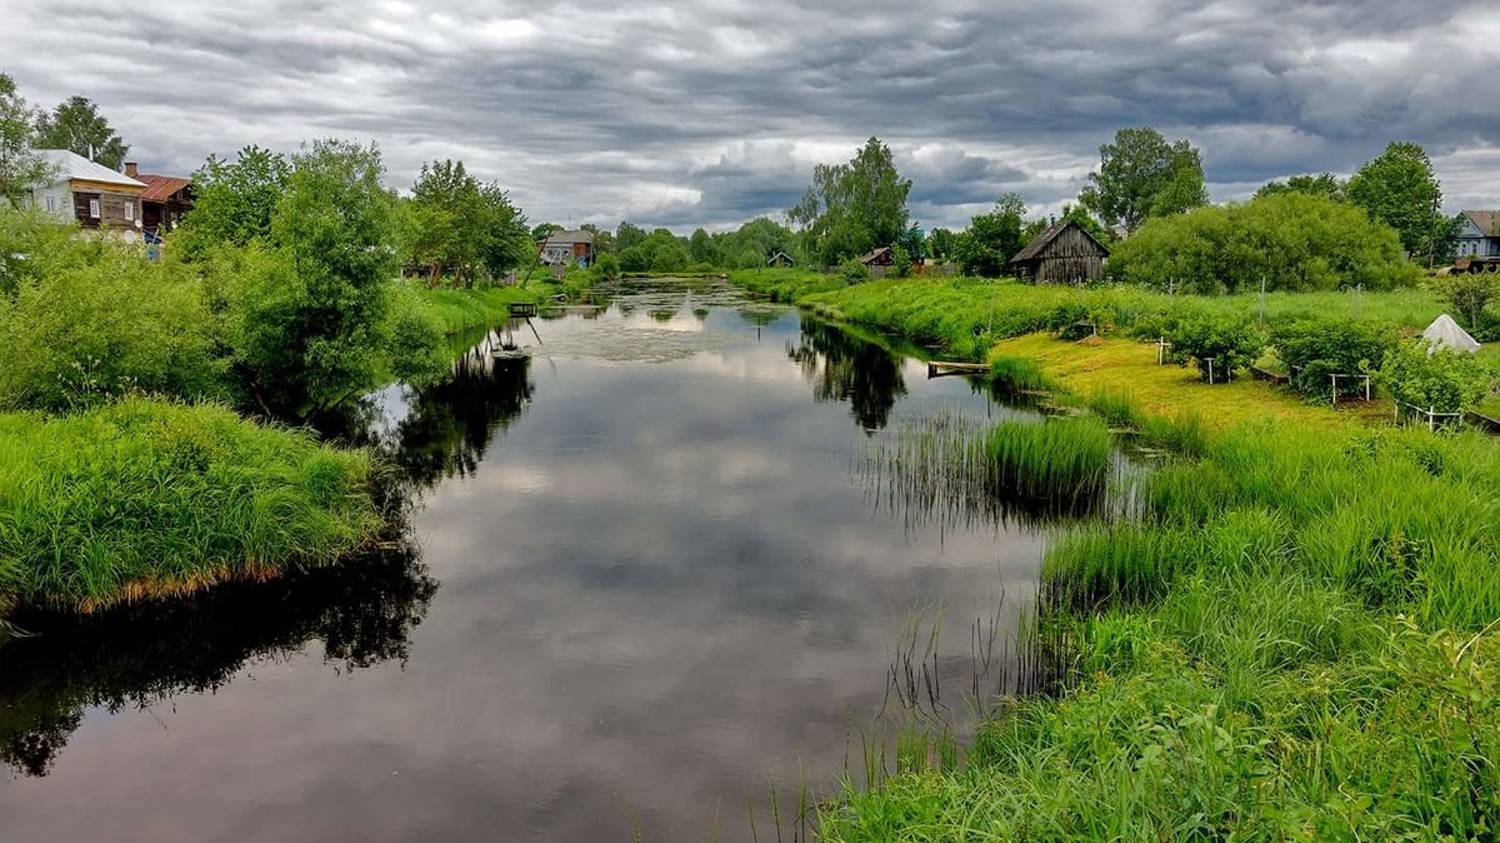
145,498
1293,638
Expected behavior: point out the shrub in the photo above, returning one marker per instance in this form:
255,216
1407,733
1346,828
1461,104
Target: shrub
1314,349
902,265
1219,344
416,349
1292,241
854,272
78,336
1444,380
1470,293
606,267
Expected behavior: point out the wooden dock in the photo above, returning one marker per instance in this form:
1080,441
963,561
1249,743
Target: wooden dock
939,368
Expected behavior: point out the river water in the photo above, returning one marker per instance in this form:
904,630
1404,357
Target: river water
646,579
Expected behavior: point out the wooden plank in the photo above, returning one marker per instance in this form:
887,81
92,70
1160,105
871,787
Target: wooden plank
938,368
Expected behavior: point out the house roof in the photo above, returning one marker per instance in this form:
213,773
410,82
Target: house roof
778,256
569,237
1035,247
1486,221
161,188
71,165
874,253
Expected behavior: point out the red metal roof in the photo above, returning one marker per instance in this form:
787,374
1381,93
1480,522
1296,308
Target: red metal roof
161,188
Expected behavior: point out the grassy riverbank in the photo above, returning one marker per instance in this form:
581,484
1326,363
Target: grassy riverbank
144,498
1293,638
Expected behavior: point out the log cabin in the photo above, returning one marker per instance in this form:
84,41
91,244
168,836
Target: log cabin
1062,254
164,201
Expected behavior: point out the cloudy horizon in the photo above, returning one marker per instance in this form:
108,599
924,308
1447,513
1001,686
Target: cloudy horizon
591,112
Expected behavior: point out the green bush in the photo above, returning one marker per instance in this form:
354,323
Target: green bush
1217,344
1291,241
82,334
606,267
1314,349
1443,380
145,498
853,271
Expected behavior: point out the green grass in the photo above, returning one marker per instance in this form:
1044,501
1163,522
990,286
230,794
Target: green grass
1065,458
144,498
460,310
785,285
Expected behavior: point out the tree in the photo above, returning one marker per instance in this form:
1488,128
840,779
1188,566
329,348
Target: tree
308,314
21,168
627,235
1398,188
1470,293
702,248
854,207
1289,241
1141,175
1323,184
234,201
941,244
993,238
77,125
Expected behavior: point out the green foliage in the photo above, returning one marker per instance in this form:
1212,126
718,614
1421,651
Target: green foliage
1471,294
454,225
1398,188
415,348
942,244
77,125
1291,241
1439,379
1141,175
100,322
606,267
143,498
1218,345
35,246
901,262
1324,184
852,208
1058,459
20,166
234,202
1314,349
853,271
992,239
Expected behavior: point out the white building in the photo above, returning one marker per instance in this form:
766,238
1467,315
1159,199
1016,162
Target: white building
90,194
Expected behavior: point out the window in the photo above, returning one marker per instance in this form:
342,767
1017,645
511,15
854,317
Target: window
130,210
94,209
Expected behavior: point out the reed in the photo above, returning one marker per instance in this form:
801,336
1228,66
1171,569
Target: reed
1060,459
144,498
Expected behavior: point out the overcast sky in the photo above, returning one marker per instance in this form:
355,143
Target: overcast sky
709,113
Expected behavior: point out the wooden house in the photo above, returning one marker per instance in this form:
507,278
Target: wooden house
780,259
881,257
164,201
1063,254
91,194
565,247
1479,234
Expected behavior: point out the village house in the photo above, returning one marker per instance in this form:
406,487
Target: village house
1062,254
562,247
780,259
164,202
93,195
1479,234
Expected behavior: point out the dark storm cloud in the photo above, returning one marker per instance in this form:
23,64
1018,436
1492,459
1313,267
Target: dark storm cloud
709,114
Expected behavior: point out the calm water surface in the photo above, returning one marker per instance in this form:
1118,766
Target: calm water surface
646,579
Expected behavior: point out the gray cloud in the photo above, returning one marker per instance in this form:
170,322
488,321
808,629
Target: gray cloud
707,115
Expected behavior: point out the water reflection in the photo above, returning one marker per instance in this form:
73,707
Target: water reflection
842,367
363,612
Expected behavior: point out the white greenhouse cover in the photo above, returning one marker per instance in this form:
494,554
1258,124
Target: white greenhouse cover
1445,333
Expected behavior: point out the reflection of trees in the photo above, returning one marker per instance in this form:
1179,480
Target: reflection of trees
845,368
448,426
363,610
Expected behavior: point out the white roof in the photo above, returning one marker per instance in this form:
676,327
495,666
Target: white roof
1446,333
71,165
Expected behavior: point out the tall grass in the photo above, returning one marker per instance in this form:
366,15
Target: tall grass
464,310
1065,458
144,498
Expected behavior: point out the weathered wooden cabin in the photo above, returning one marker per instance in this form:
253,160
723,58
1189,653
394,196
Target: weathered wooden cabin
1063,254
780,259
93,195
164,202
880,257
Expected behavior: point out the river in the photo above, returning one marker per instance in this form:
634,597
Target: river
646,579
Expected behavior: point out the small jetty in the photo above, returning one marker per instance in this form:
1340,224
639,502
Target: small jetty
940,368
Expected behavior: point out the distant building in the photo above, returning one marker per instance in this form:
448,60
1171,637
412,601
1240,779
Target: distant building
563,247
1063,254
880,257
781,259
164,201
1479,234
93,195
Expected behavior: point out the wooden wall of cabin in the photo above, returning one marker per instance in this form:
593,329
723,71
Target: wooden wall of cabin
1072,257
116,210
